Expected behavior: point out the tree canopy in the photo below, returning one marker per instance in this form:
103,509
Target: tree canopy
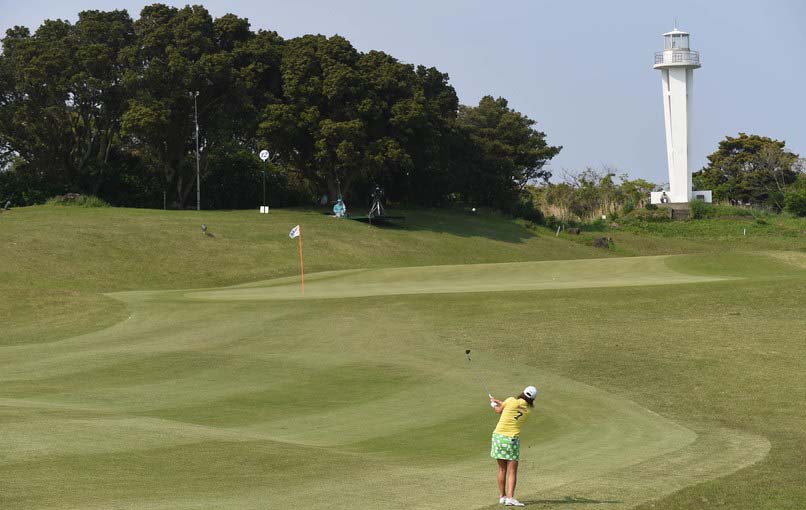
749,169
510,153
106,106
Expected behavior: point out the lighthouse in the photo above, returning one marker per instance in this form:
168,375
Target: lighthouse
677,63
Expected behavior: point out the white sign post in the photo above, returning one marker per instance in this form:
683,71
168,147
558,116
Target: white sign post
264,156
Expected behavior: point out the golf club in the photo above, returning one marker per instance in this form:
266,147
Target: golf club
470,362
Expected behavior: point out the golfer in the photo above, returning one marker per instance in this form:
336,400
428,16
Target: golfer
506,443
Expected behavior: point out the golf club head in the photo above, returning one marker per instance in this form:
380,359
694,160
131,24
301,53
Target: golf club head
467,354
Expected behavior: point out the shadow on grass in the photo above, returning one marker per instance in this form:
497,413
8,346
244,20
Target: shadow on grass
458,222
570,500
466,224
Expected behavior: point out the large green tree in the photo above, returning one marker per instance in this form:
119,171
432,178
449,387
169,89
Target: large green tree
167,69
749,169
105,106
184,51
509,151
63,96
347,117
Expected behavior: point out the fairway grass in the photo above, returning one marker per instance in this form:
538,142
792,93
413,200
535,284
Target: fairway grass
666,382
292,385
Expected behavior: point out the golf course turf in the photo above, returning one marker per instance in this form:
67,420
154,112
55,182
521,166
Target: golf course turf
139,376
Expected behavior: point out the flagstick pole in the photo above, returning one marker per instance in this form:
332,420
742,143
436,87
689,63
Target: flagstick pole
301,265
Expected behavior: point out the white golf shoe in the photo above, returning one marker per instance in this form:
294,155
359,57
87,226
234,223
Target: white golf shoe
512,502
502,500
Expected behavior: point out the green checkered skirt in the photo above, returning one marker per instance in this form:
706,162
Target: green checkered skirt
505,447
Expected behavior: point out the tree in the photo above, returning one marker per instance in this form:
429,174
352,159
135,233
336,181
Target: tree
795,198
10,133
37,111
636,191
561,197
176,56
98,92
587,194
510,153
587,199
436,162
106,106
63,98
749,169
345,116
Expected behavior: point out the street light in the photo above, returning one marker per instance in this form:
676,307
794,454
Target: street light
264,155
196,119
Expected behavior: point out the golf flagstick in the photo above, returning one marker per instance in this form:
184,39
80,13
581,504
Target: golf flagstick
301,264
297,232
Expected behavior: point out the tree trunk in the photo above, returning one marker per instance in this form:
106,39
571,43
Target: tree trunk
332,188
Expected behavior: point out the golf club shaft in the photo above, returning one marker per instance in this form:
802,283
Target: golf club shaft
470,361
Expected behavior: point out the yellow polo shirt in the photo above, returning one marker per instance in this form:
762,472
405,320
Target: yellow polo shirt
515,412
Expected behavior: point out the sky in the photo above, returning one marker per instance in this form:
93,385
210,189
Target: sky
581,69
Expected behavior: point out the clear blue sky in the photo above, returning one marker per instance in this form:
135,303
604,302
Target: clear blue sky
583,70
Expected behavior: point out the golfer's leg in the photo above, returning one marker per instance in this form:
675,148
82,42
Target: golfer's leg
502,476
512,477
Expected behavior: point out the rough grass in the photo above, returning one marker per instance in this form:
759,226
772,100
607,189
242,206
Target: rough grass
714,235
678,385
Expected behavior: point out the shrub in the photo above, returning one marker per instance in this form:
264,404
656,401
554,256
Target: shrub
597,225
23,186
700,209
525,208
729,211
629,206
795,202
76,200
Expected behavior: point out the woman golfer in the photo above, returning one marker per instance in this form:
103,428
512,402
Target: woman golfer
506,448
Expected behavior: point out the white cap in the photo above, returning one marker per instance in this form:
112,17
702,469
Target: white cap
530,392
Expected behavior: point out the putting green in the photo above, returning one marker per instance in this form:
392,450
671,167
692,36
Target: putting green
544,275
250,397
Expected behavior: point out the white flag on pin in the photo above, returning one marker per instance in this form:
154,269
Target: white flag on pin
294,232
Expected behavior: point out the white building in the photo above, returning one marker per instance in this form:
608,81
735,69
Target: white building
677,63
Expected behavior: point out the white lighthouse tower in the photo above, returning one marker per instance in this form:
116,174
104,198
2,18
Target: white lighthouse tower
677,63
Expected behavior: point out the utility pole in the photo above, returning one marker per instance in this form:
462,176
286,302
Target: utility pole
196,119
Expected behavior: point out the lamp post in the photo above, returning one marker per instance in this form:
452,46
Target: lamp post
264,156
195,95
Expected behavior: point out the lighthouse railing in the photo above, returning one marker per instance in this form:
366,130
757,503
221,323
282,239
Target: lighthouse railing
677,57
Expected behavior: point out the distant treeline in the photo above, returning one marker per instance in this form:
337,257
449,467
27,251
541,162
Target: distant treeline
105,107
